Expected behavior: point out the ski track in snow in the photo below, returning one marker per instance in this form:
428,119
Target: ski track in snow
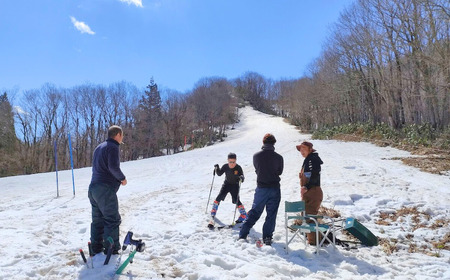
164,205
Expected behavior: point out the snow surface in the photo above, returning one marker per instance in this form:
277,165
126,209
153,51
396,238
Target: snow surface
164,204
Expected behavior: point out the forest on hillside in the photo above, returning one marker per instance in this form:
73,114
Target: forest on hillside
385,64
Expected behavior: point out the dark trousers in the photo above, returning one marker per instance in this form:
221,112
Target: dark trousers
105,215
232,189
268,198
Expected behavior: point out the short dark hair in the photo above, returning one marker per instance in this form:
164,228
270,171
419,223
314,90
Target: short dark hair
114,130
232,156
269,139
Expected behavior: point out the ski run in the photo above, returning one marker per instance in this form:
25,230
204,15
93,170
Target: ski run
164,205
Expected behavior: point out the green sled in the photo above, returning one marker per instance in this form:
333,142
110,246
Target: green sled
361,232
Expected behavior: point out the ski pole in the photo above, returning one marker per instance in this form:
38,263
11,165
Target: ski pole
214,175
237,202
91,254
110,248
84,257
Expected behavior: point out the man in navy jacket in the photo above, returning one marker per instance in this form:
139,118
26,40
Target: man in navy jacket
106,180
268,167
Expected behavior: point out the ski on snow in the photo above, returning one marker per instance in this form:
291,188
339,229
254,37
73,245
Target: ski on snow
212,226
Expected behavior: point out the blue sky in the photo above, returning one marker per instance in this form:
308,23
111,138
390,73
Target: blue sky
68,42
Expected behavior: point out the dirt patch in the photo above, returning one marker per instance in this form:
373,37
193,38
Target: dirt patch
410,219
431,160
431,164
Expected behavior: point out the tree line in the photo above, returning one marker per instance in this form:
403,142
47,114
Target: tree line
153,125
385,62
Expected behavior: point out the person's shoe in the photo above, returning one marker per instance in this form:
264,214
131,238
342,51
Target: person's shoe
242,238
268,241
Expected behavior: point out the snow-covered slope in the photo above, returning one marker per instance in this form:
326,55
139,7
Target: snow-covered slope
164,204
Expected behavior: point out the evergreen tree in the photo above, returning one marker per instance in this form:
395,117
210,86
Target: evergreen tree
8,139
148,122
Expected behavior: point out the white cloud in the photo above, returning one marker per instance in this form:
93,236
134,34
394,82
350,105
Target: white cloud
138,3
81,26
19,110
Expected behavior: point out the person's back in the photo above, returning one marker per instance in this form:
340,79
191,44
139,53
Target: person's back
106,163
268,167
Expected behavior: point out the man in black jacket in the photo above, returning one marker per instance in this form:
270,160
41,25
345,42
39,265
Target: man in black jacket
268,167
106,180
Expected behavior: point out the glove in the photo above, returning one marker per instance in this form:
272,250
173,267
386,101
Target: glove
216,168
241,177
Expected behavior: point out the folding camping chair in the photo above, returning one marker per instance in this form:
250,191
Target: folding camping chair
310,224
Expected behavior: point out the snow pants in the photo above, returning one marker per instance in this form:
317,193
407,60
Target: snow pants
313,198
232,189
268,198
105,215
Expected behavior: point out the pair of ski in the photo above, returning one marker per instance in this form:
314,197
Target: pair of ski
212,225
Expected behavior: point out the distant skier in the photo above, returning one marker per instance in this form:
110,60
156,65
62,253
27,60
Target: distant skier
106,180
233,173
268,167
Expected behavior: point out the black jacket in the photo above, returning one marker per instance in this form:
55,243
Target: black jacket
106,164
268,167
312,164
231,174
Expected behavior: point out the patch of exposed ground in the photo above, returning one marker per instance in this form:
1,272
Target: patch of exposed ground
428,159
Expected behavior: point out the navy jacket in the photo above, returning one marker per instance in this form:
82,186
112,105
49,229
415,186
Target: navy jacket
106,164
268,167
312,164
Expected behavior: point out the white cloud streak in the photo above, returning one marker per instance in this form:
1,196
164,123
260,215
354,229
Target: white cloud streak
19,110
137,3
81,26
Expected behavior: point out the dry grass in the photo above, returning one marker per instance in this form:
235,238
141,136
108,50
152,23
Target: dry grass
444,243
432,248
388,246
386,219
431,160
323,211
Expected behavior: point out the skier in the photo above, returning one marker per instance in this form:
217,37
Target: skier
233,174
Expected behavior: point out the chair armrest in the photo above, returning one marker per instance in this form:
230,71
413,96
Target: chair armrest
314,216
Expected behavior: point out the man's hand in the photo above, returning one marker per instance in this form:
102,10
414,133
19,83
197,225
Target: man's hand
124,182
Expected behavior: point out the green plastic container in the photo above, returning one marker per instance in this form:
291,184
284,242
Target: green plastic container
361,232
